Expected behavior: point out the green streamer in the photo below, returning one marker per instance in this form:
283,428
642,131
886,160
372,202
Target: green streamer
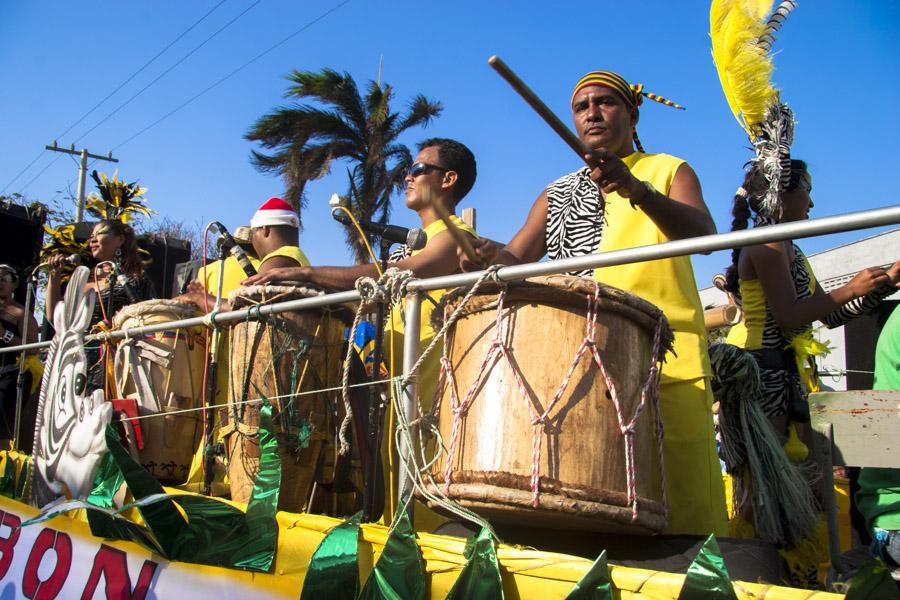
596,583
106,484
480,578
24,474
872,581
213,533
400,571
8,480
333,571
262,525
707,577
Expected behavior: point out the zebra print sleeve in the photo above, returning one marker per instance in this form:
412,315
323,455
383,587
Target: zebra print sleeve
857,307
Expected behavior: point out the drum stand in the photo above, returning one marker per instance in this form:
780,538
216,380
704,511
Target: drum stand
373,498
30,284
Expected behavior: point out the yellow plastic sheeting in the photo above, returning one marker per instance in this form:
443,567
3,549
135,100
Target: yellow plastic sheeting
527,573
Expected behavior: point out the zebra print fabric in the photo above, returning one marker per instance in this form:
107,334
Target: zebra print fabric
574,218
780,385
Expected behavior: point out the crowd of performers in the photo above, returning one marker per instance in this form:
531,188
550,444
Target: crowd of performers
625,197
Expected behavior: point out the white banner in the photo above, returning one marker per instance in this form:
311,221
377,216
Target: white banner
61,559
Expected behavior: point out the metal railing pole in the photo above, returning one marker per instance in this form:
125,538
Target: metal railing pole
702,244
410,391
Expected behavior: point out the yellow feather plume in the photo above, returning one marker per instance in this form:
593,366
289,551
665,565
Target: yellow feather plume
744,67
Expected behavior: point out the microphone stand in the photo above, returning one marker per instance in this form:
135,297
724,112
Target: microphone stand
372,509
30,284
212,371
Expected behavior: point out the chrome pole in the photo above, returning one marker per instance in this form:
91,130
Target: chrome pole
410,391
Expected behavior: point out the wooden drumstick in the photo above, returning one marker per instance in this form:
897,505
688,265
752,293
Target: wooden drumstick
458,235
539,107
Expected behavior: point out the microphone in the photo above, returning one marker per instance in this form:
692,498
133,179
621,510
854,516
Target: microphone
72,259
236,251
123,281
414,239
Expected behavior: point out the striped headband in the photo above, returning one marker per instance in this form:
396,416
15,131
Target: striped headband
632,94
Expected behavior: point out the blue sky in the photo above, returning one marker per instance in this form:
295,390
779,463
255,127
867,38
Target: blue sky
837,66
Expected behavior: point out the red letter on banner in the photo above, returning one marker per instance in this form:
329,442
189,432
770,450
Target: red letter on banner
33,587
8,544
110,562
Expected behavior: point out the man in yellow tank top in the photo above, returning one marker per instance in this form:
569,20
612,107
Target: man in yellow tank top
444,171
627,198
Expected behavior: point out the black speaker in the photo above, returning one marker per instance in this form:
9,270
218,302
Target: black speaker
22,234
166,253
860,338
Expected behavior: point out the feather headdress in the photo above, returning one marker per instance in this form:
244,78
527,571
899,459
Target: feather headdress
118,200
742,40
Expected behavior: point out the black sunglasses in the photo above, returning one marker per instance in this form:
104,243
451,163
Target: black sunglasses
421,168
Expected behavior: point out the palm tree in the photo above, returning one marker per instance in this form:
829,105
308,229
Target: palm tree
304,139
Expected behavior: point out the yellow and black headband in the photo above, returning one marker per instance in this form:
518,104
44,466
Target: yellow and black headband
632,94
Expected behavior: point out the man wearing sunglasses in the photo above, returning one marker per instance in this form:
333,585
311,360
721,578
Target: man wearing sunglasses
444,171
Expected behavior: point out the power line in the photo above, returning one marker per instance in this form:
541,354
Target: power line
19,174
231,74
108,96
145,65
167,71
41,172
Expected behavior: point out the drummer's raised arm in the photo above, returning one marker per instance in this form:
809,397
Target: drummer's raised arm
528,245
437,258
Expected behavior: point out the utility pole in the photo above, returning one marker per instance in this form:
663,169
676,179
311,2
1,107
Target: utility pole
82,172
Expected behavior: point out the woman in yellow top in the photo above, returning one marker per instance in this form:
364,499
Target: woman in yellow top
781,299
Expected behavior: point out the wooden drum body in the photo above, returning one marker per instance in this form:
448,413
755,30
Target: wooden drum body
500,454
163,371
282,357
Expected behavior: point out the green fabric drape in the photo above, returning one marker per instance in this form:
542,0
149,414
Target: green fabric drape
333,571
106,484
399,573
707,577
596,583
480,578
210,532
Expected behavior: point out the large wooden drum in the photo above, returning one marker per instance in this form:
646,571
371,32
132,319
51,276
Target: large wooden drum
163,372
569,470
283,358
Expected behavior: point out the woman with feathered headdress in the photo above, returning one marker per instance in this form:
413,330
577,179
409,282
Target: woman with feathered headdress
774,282
119,277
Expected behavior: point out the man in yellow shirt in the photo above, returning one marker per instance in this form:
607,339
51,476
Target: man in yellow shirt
627,198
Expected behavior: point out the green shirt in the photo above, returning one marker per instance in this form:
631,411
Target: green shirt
878,498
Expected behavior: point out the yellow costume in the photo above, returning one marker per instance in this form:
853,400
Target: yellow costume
232,278
693,476
425,520
293,252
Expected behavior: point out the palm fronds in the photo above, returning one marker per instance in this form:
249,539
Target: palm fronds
301,141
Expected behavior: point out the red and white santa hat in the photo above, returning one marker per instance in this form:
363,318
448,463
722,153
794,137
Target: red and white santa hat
275,211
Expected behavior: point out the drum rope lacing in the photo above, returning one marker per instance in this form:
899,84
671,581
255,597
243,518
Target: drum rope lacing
498,350
390,286
417,470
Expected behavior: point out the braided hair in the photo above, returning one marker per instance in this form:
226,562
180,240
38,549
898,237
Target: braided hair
748,201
